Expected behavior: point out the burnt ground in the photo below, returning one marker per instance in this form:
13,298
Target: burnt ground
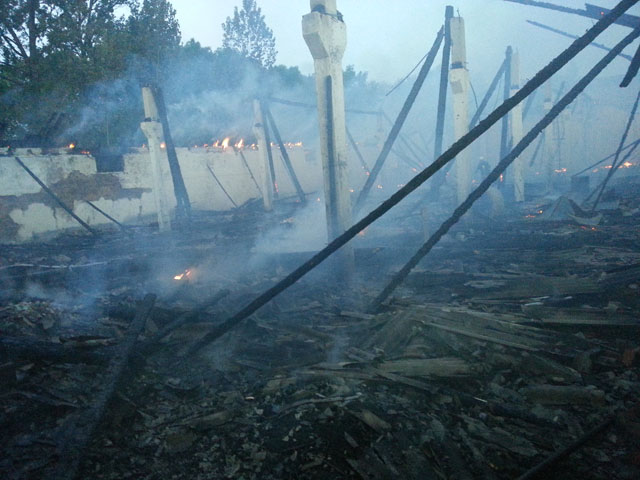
511,341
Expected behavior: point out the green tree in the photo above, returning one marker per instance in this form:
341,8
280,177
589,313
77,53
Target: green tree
248,34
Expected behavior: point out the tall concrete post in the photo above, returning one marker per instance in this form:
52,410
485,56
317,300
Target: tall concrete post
265,169
326,36
459,79
549,139
152,129
516,129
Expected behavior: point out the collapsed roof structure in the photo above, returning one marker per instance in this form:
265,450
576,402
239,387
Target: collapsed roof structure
494,339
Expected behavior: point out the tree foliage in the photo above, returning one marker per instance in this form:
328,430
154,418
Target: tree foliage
248,34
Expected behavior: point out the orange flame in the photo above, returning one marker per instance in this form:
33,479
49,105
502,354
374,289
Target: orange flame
225,142
72,146
184,275
163,145
240,144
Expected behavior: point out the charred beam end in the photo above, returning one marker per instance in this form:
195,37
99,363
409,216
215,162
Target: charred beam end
541,77
633,69
78,434
501,167
63,205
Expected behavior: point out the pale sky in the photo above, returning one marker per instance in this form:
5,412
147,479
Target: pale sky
386,38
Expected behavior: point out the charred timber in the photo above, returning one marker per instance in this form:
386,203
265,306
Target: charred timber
402,116
77,435
501,167
542,76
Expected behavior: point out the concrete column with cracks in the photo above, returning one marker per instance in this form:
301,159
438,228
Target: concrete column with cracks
325,33
152,129
459,80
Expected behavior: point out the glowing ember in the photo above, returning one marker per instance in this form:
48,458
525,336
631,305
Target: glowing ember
240,144
72,146
626,164
561,170
163,145
184,275
225,142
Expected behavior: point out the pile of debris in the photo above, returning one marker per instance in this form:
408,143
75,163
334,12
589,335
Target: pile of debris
514,342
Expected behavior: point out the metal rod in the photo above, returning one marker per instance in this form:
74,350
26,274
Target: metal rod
221,187
402,116
463,142
357,150
106,215
569,35
63,205
285,154
507,160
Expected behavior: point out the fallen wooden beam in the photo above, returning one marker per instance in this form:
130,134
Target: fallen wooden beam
77,433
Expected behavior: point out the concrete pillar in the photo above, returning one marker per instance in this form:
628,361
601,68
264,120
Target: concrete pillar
516,130
459,79
265,169
326,36
152,129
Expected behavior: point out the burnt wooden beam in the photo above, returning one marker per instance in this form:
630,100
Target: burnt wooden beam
569,35
507,160
444,82
284,153
106,215
590,11
179,188
402,116
354,145
246,165
78,433
57,199
224,190
463,142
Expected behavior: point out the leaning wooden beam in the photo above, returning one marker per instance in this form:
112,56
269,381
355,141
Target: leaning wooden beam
569,35
462,143
77,436
224,190
568,450
633,70
354,145
616,163
64,206
501,167
246,165
182,196
106,215
591,11
285,154
402,116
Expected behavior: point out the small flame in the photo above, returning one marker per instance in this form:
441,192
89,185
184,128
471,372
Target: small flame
225,142
240,144
163,145
627,164
184,275
72,146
